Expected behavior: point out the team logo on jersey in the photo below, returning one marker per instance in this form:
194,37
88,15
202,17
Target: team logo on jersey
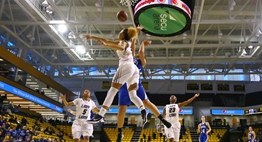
224,111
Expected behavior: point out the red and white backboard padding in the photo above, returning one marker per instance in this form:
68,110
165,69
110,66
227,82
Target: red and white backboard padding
163,18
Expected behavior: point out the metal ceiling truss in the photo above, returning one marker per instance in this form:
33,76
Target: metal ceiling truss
219,38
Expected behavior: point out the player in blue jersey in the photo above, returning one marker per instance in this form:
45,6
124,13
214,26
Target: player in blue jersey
251,135
203,129
123,98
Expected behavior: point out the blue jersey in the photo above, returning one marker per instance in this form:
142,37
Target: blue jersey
123,97
138,63
203,128
251,136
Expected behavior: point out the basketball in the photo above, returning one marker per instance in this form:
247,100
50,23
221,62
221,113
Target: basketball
122,16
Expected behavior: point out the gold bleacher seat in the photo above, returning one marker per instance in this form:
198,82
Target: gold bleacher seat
150,131
112,134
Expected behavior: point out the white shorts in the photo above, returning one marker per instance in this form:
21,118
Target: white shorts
127,73
81,128
173,132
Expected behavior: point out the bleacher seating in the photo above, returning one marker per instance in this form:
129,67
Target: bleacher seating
31,124
151,131
112,134
213,137
65,129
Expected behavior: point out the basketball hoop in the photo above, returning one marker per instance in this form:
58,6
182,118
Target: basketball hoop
128,2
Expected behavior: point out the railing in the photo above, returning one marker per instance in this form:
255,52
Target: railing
42,88
48,17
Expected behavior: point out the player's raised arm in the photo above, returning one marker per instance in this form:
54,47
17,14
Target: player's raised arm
88,36
133,44
182,104
141,52
121,46
209,128
63,97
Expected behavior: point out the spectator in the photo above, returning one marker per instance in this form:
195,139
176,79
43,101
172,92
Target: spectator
149,139
2,135
24,121
154,135
144,136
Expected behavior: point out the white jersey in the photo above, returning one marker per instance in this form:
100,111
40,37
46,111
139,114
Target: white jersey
126,54
83,109
172,113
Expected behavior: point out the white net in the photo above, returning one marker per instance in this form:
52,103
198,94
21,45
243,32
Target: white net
128,2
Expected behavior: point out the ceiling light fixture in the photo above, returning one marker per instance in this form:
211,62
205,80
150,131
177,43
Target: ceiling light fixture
62,28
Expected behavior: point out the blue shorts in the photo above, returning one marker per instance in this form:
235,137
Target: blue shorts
82,137
203,138
123,96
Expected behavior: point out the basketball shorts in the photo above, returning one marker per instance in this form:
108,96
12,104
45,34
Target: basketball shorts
173,132
127,73
252,141
123,96
81,128
203,138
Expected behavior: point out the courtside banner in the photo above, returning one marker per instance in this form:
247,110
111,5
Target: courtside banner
27,96
114,110
227,112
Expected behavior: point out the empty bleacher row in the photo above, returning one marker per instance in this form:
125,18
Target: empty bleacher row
215,136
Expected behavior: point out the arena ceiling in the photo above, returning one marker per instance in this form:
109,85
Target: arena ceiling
225,36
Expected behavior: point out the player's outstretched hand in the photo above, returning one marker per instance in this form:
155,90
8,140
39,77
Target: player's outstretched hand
147,42
197,94
69,110
62,96
87,36
139,28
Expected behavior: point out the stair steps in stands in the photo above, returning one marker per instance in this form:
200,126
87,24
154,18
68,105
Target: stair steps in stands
136,135
104,136
194,135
